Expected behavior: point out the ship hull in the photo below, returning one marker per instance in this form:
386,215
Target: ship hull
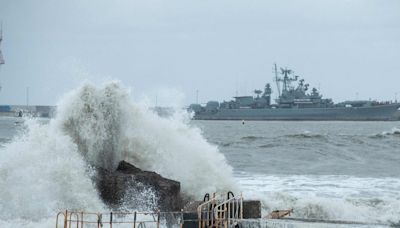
389,112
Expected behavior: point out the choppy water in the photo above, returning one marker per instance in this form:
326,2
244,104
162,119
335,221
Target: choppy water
364,149
324,170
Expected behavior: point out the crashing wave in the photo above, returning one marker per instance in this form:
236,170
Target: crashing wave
108,127
48,167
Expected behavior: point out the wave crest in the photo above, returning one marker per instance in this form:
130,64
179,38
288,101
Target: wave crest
108,127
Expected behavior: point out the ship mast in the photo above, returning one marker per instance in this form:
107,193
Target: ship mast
277,79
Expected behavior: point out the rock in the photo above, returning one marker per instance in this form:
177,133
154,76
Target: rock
129,186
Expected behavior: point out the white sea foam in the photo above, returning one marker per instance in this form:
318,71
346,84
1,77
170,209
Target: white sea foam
45,170
394,131
327,197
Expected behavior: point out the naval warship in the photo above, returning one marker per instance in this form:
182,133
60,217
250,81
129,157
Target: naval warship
295,102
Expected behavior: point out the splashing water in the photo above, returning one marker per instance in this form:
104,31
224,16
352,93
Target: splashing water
107,128
41,172
47,168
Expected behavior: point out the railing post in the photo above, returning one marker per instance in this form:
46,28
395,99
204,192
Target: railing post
111,219
82,219
58,216
77,219
199,216
241,206
229,212
99,218
182,221
66,219
212,211
134,220
158,219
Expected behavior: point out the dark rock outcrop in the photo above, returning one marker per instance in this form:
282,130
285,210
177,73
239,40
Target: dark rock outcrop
127,184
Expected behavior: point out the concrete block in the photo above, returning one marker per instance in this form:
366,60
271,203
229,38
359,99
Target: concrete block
251,209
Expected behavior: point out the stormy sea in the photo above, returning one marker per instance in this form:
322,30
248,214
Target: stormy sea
327,170
333,171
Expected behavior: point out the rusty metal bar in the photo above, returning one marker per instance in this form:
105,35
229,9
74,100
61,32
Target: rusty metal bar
58,214
66,219
77,219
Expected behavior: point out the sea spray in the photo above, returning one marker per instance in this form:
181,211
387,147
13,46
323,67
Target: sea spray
48,167
41,173
108,127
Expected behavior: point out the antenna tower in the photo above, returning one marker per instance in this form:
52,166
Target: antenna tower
277,79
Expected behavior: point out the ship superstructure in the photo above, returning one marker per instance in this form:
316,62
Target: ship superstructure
294,102
297,96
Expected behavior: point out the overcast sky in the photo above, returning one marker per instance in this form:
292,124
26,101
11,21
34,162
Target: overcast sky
171,48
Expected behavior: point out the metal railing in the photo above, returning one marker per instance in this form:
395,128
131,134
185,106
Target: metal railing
229,212
74,219
220,211
205,211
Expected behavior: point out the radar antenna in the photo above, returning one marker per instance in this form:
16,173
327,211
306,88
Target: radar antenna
287,79
258,92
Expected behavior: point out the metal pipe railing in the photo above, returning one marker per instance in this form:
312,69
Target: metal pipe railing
75,219
205,210
229,212
219,211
